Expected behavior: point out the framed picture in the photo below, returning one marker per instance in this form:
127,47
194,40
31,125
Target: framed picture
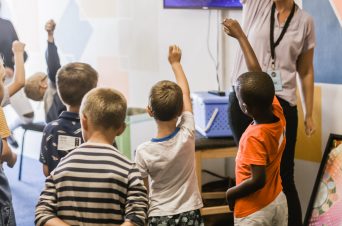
325,204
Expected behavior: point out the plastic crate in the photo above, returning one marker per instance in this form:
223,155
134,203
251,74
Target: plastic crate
210,113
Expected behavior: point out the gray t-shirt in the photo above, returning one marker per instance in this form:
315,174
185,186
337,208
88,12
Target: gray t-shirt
169,163
299,38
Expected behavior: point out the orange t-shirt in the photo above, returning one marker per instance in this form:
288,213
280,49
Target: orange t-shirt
263,145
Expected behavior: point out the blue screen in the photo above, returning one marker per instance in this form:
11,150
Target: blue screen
202,4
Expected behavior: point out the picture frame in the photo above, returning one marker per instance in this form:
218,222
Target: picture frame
325,203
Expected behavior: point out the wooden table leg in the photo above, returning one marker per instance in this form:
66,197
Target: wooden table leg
198,155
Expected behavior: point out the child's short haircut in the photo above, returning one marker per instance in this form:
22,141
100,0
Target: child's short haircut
105,108
166,100
32,86
73,81
256,89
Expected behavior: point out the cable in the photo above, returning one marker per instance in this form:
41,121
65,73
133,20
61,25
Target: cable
215,61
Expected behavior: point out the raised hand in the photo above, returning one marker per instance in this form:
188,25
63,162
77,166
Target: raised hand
233,28
50,27
175,54
18,47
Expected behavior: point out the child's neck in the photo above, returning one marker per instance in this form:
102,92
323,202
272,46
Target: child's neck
74,109
165,128
102,137
265,117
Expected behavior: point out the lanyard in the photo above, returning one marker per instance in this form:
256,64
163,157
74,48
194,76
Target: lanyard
286,26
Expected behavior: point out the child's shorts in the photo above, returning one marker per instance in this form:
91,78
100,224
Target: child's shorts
274,214
193,218
6,214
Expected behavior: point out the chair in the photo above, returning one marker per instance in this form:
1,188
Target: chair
34,126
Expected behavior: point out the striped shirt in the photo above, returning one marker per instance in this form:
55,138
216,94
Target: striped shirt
94,185
4,130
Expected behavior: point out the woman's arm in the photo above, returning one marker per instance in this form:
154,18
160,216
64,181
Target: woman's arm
306,75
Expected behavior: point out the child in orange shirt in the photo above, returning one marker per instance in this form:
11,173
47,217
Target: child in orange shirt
257,198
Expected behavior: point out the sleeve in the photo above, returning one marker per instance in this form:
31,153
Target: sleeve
255,152
44,147
4,130
52,61
187,122
140,163
310,38
136,202
46,208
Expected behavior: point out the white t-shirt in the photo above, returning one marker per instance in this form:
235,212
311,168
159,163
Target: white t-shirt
299,38
169,163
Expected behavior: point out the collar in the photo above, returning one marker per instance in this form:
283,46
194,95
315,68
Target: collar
168,137
69,116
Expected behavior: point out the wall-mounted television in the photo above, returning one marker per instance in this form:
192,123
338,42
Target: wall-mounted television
202,4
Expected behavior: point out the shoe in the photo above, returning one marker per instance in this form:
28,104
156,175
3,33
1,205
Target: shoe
12,141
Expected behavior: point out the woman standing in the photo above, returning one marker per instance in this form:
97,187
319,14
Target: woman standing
282,36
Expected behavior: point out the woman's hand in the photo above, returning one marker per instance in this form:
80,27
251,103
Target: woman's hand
310,127
233,28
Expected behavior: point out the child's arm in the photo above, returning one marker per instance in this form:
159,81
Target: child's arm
46,209
7,154
233,29
18,81
251,185
175,55
51,55
137,202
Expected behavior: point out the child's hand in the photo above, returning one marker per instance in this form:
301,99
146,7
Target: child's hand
230,201
50,27
175,54
232,28
18,47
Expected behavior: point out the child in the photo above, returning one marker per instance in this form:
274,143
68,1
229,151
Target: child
257,198
169,159
61,136
95,184
6,207
7,91
38,87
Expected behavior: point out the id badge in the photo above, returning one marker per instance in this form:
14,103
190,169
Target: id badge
66,143
276,78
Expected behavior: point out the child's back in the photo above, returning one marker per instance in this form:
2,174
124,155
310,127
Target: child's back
92,185
261,144
170,163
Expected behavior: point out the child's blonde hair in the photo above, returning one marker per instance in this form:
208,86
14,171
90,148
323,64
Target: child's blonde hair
105,108
32,86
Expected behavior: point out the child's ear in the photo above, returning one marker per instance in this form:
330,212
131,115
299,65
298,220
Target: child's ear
149,111
121,129
84,121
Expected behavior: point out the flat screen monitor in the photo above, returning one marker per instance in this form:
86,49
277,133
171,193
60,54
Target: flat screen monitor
202,4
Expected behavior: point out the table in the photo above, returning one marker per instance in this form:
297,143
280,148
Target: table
212,148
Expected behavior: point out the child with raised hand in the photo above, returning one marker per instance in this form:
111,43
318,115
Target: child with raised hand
6,207
95,184
6,92
257,198
41,86
168,160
